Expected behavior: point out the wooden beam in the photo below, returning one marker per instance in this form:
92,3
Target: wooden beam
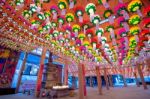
141,76
99,81
40,73
21,72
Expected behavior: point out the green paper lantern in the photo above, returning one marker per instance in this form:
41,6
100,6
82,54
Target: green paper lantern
90,8
96,19
107,14
109,27
134,20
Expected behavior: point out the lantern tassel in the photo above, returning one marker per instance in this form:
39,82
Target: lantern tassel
125,15
126,26
63,12
139,13
80,19
71,5
106,5
111,20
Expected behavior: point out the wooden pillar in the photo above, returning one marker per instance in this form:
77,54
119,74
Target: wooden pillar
40,72
91,81
84,79
124,81
110,80
136,79
141,76
106,78
21,72
66,73
99,81
81,85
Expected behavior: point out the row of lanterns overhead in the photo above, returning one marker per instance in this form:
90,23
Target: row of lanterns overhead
68,31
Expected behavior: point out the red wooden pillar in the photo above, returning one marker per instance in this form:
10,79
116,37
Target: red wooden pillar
84,79
99,81
81,81
136,79
40,72
66,73
141,76
106,78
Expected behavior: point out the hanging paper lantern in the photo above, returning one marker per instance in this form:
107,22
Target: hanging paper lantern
71,3
122,11
69,17
147,11
55,33
104,40
86,43
76,28
123,23
40,30
85,25
68,29
79,13
33,7
134,5
54,11
46,27
133,42
27,13
73,36
81,36
78,42
62,4
99,33
134,20
54,24
90,10
146,23
61,21
94,42
122,32
19,2
108,14
41,16
96,20
134,30
90,33
108,28
47,14
48,36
